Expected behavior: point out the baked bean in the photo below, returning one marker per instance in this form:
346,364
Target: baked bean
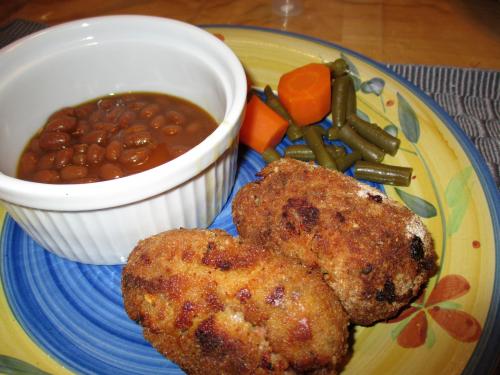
28,163
175,117
61,124
157,122
99,137
137,139
63,157
171,129
80,148
113,150
81,128
109,171
79,158
137,127
134,156
108,127
95,154
84,110
72,172
126,118
149,111
105,104
112,137
46,176
136,105
95,116
53,141
46,161
114,113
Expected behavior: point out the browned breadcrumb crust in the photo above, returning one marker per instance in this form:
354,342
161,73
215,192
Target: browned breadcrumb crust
373,252
216,305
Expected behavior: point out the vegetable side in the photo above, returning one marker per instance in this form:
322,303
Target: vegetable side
306,95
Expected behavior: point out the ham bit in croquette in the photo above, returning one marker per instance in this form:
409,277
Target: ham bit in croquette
373,252
215,304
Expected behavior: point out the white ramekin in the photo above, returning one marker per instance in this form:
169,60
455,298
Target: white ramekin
68,64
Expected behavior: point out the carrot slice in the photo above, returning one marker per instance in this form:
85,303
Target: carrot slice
306,93
262,127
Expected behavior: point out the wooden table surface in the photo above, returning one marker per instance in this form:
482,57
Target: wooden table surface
463,33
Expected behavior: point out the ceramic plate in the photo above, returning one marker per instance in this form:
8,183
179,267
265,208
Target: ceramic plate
64,317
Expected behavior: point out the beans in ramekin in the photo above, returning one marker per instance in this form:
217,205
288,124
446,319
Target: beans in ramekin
112,137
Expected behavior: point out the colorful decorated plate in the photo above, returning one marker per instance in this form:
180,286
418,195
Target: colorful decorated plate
63,317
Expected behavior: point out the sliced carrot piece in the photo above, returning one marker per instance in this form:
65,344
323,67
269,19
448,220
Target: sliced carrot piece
262,127
306,93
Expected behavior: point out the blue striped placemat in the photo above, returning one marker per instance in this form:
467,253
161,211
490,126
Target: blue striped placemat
471,97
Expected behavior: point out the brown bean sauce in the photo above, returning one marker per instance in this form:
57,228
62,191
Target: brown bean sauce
112,137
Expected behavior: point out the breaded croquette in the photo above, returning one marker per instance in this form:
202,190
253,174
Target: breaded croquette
373,252
215,304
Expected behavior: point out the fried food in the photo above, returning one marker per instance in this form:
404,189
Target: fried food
373,252
216,305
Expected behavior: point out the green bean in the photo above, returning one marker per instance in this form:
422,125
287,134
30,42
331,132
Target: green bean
300,152
351,104
375,134
383,173
348,135
293,132
270,154
338,67
340,93
315,142
346,161
336,151
321,130
333,133
304,152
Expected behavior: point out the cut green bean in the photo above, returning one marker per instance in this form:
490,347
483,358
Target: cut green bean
340,93
293,132
270,154
333,133
336,151
321,130
375,134
315,142
346,161
338,68
348,135
351,105
300,152
383,173
304,152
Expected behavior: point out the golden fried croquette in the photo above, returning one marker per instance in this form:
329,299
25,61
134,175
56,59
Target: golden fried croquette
373,252
216,305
